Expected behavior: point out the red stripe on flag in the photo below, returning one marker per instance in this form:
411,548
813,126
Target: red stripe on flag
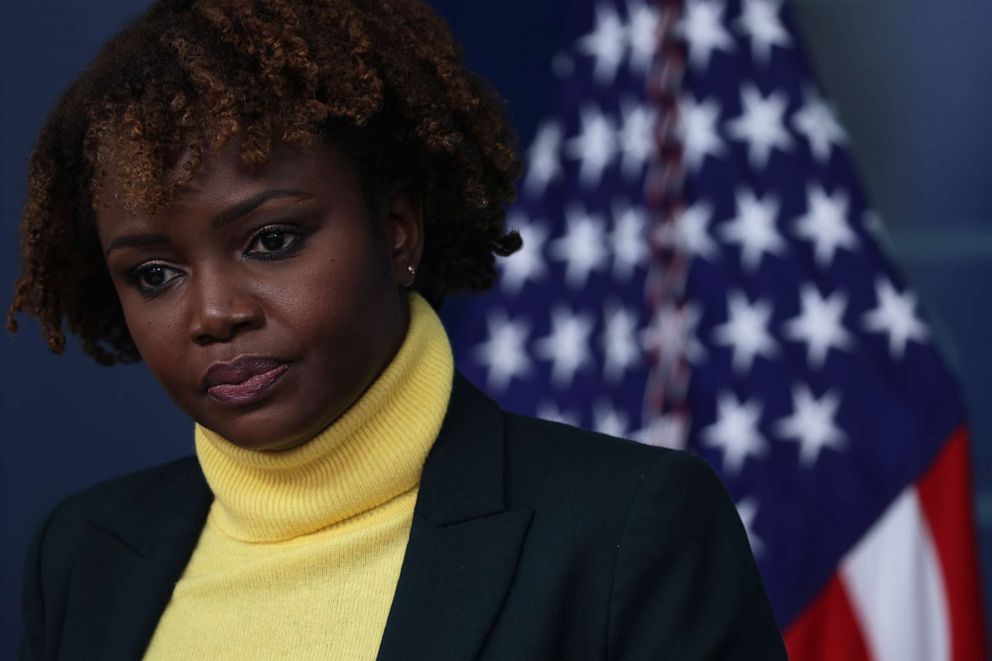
828,629
945,496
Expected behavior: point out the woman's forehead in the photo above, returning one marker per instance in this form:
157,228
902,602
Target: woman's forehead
224,185
223,176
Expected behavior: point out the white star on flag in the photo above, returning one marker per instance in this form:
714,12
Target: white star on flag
528,263
666,431
746,331
753,228
817,121
642,25
583,248
761,124
704,32
636,136
735,432
548,410
567,346
620,348
543,164
606,44
689,233
825,224
503,354
760,21
698,131
608,420
628,240
894,315
819,324
594,147
671,335
747,509
812,424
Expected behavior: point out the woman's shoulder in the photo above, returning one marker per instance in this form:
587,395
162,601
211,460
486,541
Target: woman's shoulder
552,461
564,448
106,497
123,506
650,526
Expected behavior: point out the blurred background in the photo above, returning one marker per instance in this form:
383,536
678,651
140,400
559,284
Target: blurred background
908,84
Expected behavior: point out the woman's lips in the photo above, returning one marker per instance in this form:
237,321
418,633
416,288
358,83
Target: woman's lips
244,380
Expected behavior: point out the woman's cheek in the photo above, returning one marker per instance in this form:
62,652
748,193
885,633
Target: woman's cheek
157,333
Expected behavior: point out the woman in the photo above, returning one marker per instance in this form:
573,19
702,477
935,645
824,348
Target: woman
266,201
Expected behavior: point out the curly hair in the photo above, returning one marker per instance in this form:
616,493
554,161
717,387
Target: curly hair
382,79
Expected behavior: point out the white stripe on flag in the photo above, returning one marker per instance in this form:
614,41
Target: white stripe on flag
894,582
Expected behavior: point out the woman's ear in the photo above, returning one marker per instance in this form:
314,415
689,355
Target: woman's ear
404,218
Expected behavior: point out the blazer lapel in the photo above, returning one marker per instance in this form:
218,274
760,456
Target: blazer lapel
464,544
134,556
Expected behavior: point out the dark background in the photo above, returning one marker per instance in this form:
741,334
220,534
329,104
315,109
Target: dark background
912,86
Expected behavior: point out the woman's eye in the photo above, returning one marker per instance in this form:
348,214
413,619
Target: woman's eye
152,277
273,242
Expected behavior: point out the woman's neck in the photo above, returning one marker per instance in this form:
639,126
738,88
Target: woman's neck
374,452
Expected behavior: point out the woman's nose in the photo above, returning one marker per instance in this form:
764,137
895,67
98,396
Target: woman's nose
222,308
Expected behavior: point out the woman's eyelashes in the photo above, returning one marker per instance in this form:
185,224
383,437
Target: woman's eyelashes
151,278
274,242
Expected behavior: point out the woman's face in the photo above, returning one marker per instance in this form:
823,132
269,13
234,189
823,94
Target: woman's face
265,300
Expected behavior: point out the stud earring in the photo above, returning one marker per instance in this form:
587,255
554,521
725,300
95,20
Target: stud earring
413,275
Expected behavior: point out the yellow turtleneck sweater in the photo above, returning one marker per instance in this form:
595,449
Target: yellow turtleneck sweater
301,551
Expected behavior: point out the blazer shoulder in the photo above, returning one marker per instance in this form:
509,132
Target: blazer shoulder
598,478
126,508
64,526
114,492
679,552
561,448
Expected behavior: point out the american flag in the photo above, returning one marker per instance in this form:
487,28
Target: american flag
701,269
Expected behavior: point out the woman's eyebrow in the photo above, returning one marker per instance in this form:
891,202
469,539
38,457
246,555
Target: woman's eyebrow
224,217
242,208
136,240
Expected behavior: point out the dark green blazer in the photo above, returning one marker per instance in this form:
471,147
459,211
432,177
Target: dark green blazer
530,541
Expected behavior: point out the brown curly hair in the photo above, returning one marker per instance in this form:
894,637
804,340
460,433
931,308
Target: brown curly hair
382,79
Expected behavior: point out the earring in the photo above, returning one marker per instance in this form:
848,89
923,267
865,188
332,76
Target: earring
413,275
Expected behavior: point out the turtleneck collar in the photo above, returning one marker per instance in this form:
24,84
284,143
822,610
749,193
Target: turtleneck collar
373,453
